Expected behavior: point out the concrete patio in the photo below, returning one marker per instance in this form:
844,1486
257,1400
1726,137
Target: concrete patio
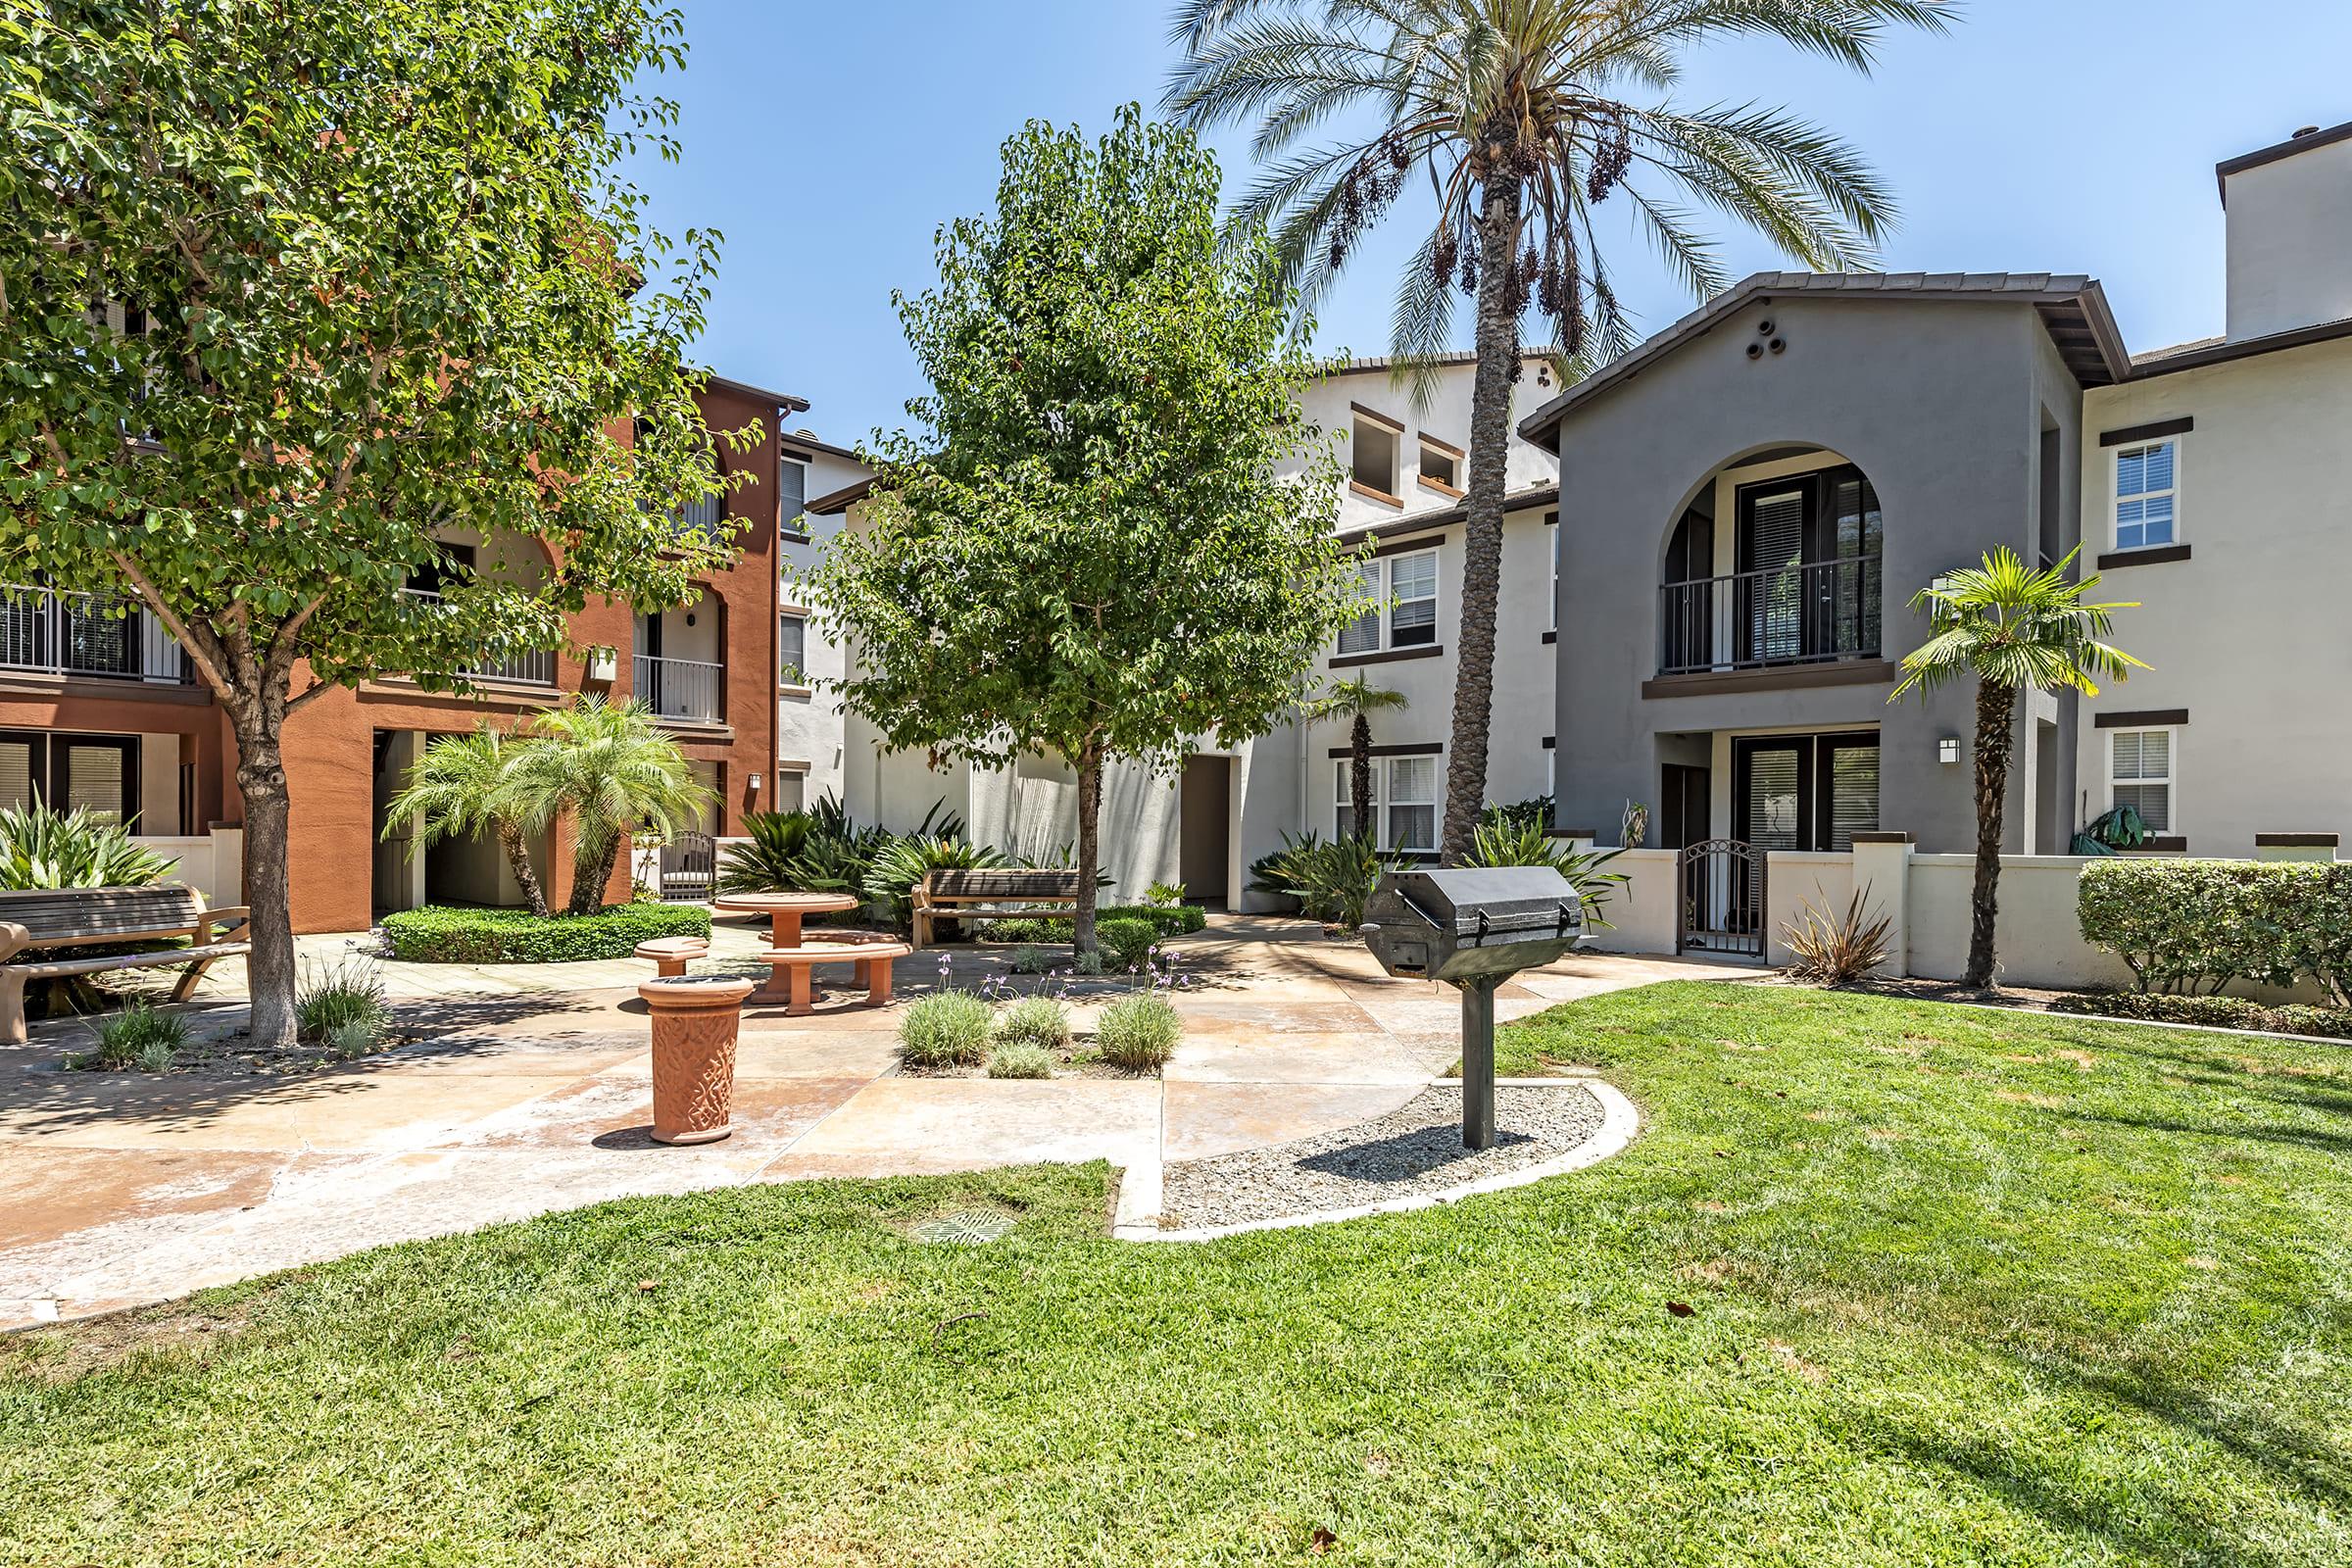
531,1093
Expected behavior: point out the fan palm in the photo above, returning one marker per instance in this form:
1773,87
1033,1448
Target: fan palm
1357,700
611,770
2013,628
1518,114
462,785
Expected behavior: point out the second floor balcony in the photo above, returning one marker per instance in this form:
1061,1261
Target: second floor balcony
687,689
532,667
1805,613
51,632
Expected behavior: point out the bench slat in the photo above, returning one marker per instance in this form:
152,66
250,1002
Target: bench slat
59,968
1003,884
64,916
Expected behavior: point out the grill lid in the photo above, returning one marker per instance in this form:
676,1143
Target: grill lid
1493,900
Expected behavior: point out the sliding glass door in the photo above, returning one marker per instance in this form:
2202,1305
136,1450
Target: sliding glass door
1804,792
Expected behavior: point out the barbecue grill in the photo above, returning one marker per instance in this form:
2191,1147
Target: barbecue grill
1473,928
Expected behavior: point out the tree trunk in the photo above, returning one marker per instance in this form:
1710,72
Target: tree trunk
589,874
1360,777
1090,846
1481,530
519,862
1996,729
262,781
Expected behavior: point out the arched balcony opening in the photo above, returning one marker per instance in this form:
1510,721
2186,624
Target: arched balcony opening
1775,560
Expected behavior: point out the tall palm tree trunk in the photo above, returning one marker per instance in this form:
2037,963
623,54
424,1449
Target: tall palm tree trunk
1996,731
519,862
1498,305
1359,776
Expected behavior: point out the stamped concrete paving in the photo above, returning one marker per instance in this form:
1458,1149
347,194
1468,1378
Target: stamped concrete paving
532,1094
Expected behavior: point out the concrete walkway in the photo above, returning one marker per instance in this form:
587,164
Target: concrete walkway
530,1093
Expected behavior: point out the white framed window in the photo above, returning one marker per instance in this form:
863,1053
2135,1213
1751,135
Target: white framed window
2147,482
1440,467
1407,616
1405,794
2139,775
791,497
792,649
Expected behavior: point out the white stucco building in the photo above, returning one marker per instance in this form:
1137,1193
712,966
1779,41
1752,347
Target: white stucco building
809,713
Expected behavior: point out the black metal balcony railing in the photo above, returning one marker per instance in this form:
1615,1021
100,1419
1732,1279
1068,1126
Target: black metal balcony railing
680,688
536,667
58,633
1815,612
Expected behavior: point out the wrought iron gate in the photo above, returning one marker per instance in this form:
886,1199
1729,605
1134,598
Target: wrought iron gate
689,868
1718,899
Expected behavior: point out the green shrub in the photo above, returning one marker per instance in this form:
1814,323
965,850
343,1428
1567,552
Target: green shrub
905,861
439,935
2184,927
1048,929
1014,1058
1331,879
1504,839
2220,1012
140,1036
946,1029
41,849
1126,944
1025,933
1164,894
1168,919
342,998
356,1038
1038,961
1039,1021
1139,1031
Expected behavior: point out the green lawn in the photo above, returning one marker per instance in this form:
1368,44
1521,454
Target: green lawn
1967,1288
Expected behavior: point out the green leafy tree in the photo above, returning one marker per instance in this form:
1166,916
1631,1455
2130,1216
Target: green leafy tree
607,769
1357,701
1518,115
463,785
2011,628
1087,548
290,294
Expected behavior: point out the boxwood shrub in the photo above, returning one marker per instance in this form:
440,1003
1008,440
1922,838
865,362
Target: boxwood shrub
436,934
1165,920
2183,927
2221,1012
1126,944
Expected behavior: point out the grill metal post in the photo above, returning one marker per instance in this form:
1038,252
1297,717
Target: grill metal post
1478,1063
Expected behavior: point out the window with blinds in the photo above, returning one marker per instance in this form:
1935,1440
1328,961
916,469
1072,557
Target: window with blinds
2142,774
1413,582
1853,594
94,780
1775,808
1413,802
792,649
1806,792
1362,634
2146,490
1775,553
1854,794
16,774
792,498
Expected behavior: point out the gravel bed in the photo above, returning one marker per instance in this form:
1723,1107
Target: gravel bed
1414,1149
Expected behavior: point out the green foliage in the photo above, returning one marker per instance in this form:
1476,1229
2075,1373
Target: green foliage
2188,926
1138,1032
2024,629
439,935
1126,944
1331,880
2212,1011
1834,950
902,862
140,1036
1046,929
609,770
1016,1058
463,785
1164,894
341,1003
1508,836
769,861
1035,959
946,1029
1039,1021
2119,829
1519,815
1089,548
40,847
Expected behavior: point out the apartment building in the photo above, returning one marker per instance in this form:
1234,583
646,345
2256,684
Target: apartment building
105,712
1757,493
1227,804
808,708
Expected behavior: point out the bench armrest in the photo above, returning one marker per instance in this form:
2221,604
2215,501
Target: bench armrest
13,939
222,921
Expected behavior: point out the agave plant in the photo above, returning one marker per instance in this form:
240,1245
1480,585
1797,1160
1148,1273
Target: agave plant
44,848
1834,950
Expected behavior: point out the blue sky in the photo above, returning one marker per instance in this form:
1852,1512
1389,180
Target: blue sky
828,141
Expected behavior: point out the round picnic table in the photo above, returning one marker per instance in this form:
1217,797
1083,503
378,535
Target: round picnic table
784,910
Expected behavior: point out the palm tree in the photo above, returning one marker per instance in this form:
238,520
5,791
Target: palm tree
1357,700
1517,112
2013,628
462,785
611,770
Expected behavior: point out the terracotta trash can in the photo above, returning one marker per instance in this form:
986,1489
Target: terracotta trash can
696,1020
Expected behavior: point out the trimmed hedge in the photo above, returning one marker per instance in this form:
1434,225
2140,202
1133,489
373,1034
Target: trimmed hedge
2220,1012
1042,930
2188,926
436,934
1126,943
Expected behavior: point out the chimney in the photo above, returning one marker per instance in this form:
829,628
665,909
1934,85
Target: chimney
2289,210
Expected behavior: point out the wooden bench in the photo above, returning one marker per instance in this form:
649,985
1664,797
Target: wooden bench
989,896
82,917
790,970
670,955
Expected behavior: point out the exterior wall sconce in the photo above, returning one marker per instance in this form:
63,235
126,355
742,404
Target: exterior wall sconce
1947,750
754,784
604,664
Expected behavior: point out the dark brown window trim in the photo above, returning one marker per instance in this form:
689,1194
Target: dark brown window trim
2147,433
1451,491
1385,421
1405,546
1446,447
1339,753
1552,636
1790,677
1884,838
1369,493
2156,557
1390,656
2161,846
2143,719
2297,841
